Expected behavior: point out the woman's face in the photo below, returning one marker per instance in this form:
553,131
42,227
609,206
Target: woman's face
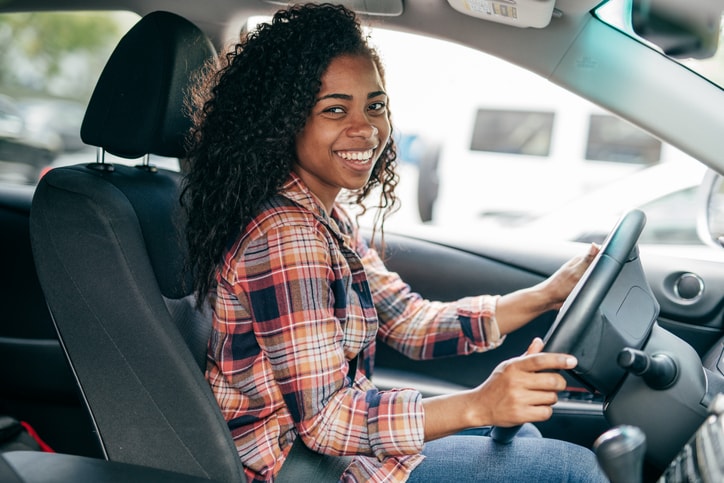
346,131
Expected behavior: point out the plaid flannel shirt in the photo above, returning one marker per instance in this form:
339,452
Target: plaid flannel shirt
299,295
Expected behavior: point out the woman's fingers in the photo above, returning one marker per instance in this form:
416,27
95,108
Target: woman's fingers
535,346
524,388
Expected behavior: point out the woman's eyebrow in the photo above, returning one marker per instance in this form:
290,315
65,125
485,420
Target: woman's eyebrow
348,97
345,97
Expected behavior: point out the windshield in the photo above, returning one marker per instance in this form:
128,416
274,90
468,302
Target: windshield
617,13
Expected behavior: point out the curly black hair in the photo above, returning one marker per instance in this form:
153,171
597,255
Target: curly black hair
246,116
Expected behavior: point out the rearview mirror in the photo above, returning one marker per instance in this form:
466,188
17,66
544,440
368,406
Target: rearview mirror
681,28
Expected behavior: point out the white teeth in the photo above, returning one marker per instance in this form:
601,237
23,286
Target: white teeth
356,155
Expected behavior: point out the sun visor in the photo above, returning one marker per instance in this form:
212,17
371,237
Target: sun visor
519,13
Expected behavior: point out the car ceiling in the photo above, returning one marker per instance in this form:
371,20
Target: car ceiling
433,16
575,51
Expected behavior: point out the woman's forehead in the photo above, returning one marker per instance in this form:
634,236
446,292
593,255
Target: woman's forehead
351,73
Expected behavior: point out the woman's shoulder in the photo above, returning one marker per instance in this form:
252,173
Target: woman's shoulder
278,211
281,219
279,225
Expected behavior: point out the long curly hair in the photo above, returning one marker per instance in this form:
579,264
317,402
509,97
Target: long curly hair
246,115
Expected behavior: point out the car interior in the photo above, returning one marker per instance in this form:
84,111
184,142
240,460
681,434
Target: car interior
103,351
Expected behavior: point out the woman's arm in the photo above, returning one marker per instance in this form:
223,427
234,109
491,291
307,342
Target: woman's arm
520,307
422,329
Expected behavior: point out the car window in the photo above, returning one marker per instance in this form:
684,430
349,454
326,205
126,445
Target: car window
49,65
513,131
482,143
669,220
507,148
613,139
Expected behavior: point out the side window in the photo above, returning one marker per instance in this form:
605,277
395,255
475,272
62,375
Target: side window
669,219
513,132
49,64
613,139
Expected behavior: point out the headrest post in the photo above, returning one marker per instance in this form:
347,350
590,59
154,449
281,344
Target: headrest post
100,155
146,164
100,164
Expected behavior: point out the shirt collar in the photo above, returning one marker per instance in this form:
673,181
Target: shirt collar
296,191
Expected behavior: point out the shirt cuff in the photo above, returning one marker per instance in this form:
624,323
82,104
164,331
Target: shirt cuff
478,322
396,422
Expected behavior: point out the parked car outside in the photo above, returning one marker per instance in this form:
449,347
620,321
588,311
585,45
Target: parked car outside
668,193
61,116
25,148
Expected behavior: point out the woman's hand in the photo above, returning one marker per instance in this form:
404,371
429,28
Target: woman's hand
559,285
520,390
520,307
523,389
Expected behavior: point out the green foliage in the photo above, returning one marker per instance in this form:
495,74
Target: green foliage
56,52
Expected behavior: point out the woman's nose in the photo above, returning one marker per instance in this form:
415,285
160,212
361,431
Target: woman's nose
363,129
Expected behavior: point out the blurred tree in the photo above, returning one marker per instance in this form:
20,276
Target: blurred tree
59,53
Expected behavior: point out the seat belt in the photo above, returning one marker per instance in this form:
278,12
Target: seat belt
303,464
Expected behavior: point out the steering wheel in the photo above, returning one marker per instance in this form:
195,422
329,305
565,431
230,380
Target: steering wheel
567,332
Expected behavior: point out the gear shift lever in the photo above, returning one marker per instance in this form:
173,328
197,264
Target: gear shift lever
620,452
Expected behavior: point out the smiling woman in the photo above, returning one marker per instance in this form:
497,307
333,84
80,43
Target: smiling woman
349,122
496,122
299,299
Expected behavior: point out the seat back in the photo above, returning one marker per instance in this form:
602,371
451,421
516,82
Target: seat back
109,251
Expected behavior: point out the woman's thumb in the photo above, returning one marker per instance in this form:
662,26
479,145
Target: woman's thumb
535,346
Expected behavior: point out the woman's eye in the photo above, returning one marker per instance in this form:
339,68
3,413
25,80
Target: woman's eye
377,106
334,110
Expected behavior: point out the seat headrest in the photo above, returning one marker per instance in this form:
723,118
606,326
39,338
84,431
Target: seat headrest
137,107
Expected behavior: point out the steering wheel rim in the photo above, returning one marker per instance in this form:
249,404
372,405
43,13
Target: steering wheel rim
583,303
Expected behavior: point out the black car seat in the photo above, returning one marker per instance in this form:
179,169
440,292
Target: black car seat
109,252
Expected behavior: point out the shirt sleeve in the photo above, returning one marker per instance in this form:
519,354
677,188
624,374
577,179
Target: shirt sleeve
293,294
423,329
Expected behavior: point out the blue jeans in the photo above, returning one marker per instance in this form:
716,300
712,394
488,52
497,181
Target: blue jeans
472,456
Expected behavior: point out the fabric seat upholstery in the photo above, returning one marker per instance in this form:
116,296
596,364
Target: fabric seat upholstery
109,251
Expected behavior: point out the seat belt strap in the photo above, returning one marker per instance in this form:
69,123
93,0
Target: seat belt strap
352,369
303,464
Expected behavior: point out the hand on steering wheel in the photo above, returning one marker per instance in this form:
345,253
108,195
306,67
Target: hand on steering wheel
527,387
582,304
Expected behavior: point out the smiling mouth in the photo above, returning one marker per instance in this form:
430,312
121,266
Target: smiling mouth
360,157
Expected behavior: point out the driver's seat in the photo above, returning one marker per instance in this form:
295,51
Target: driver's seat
110,258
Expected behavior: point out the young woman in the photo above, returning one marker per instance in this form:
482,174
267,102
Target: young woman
296,118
